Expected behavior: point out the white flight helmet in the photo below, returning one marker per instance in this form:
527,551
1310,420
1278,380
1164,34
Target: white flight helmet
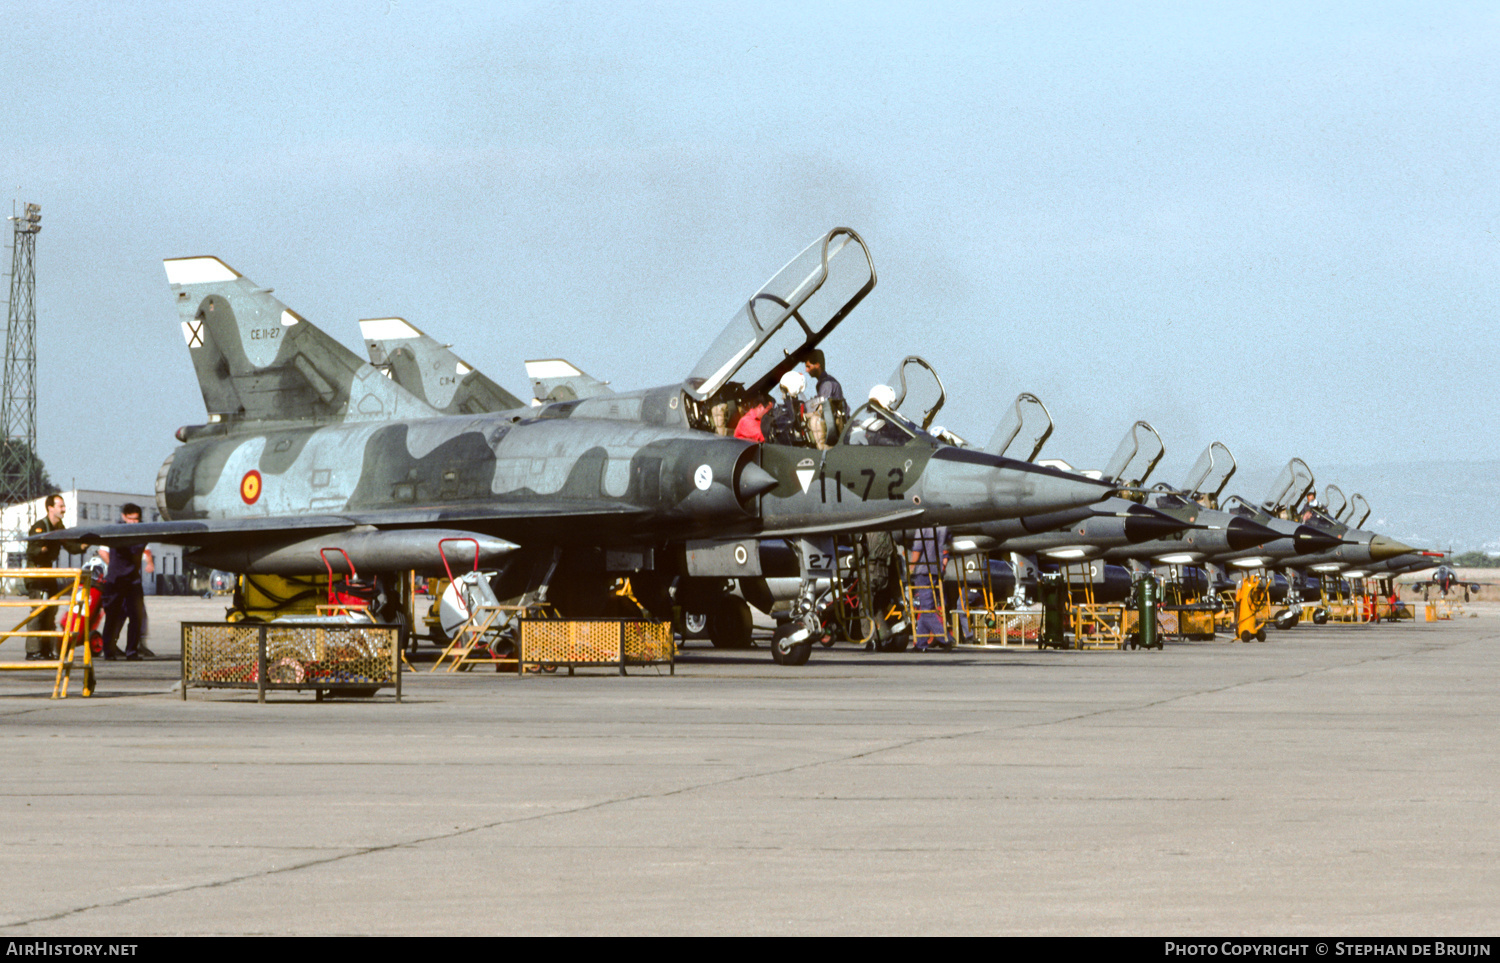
792,383
883,395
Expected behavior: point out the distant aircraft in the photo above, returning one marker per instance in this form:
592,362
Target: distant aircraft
1446,580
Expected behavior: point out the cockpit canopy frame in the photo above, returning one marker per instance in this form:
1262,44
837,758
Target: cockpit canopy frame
817,289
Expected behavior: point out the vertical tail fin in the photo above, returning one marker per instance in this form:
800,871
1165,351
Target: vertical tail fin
553,379
430,370
257,360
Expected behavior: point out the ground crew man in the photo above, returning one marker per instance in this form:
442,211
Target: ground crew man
44,555
828,399
123,597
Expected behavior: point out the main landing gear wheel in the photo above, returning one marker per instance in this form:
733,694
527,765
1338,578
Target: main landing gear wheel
791,645
730,623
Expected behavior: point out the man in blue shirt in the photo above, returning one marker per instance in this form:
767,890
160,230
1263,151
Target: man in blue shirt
122,596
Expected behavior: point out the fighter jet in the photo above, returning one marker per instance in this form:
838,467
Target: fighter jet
1446,580
1290,498
1213,532
307,448
1086,533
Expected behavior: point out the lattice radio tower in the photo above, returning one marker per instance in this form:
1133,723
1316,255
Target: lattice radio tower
18,406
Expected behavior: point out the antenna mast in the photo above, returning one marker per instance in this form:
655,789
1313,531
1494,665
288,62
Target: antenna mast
18,460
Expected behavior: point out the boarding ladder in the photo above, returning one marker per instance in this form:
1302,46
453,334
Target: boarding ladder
923,586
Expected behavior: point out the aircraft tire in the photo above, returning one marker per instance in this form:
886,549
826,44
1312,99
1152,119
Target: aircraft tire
1320,616
730,623
896,643
785,651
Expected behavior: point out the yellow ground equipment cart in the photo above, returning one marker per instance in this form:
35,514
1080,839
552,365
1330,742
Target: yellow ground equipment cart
1252,608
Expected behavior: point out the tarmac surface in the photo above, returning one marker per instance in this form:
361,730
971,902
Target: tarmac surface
1336,780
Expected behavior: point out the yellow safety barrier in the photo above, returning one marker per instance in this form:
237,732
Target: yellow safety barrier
75,613
1441,610
1184,623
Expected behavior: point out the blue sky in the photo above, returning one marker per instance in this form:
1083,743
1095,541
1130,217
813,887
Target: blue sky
1269,225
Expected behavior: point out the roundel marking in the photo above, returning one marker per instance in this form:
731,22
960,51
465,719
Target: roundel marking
740,555
250,486
703,477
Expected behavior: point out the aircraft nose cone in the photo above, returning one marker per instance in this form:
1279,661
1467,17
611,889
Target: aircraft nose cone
1382,548
1144,524
754,480
1242,533
986,486
1311,541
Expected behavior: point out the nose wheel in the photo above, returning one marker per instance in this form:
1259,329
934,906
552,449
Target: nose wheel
791,644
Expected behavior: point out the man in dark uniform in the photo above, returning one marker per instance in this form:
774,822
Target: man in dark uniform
122,596
829,396
44,555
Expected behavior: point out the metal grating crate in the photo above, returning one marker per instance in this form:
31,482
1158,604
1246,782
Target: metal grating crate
611,643
327,656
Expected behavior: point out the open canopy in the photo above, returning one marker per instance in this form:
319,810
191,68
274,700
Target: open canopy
1290,487
1134,460
1027,425
919,390
816,289
1211,472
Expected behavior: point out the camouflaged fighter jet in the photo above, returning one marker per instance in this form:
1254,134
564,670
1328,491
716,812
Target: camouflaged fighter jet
1083,533
307,448
1212,471
1071,534
1213,533
1291,498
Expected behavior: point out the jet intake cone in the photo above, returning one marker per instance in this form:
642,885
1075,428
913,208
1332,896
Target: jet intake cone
1312,541
1144,524
1242,533
754,480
